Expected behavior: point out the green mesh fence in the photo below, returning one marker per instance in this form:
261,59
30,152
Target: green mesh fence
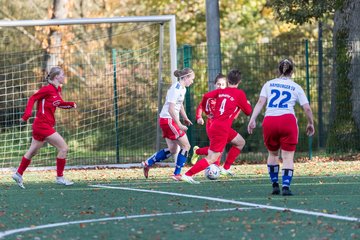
314,71
116,88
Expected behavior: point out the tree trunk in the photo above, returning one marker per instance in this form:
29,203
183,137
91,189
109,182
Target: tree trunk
345,122
354,37
60,11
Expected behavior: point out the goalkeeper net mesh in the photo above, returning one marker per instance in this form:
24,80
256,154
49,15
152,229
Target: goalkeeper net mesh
112,74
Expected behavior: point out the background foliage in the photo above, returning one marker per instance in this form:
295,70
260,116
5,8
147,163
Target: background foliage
252,39
241,20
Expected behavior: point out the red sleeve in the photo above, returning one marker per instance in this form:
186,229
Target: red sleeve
40,94
62,104
245,105
211,94
202,104
199,111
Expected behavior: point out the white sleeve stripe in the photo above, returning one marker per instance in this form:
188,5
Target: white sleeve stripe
43,106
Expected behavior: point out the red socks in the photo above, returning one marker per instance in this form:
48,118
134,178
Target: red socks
198,167
202,151
23,165
232,155
60,165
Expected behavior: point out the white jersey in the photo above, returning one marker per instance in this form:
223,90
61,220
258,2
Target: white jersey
282,94
175,94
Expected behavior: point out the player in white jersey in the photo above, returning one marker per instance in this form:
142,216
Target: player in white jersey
280,129
175,95
173,130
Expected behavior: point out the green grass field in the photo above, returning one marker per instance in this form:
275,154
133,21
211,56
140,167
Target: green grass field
120,204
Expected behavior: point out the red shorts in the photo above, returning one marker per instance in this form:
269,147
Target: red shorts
219,137
42,131
280,132
170,129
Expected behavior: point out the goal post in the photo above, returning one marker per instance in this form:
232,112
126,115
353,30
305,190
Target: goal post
116,75
54,22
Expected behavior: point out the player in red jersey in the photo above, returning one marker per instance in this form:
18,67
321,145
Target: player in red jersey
220,82
173,130
229,102
280,129
48,98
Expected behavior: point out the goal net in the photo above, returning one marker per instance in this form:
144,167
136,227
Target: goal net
118,71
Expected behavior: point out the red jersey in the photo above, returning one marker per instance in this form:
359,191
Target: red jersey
229,102
48,99
208,109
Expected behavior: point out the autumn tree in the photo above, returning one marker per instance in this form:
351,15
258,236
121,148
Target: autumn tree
60,11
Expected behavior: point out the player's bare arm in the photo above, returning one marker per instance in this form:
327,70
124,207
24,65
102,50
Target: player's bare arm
185,117
257,109
175,117
310,130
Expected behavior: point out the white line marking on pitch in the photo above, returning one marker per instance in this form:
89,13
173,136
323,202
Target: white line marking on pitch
26,229
318,214
156,181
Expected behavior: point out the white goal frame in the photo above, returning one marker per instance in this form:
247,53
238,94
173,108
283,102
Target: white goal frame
82,21
160,19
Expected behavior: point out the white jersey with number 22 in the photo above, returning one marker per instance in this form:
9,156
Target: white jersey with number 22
282,94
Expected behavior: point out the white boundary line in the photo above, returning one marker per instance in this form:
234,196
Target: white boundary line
61,224
222,180
318,214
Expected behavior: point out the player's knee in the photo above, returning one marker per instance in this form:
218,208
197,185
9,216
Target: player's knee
211,158
273,153
187,147
288,163
272,159
287,159
31,154
173,150
63,149
239,143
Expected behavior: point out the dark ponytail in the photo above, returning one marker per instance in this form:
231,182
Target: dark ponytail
286,67
234,77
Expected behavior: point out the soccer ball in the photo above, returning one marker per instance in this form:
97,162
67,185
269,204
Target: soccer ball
212,172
